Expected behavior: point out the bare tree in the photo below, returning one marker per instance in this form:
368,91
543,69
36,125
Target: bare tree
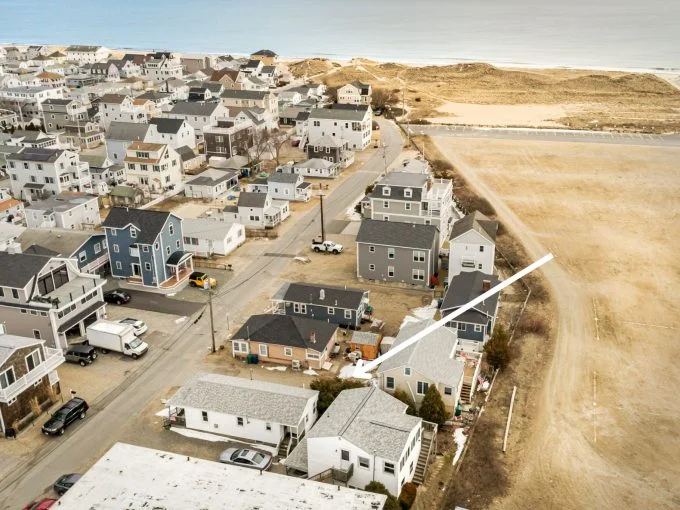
382,97
262,142
279,139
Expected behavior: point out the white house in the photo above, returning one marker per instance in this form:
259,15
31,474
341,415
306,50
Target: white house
199,115
254,99
355,93
66,210
212,183
120,135
86,54
473,245
119,107
283,187
11,210
315,167
240,408
257,210
161,69
29,99
153,165
348,124
365,435
207,237
175,133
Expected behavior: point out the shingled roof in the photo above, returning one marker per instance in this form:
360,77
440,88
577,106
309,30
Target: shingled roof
479,223
393,233
287,330
150,223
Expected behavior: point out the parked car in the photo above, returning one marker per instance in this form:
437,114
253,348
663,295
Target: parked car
74,409
327,246
83,354
43,504
140,327
65,482
378,111
198,279
117,296
246,458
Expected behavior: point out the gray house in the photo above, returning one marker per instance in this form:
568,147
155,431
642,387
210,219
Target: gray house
336,305
398,252
89,249
283,187
147,248
476,325
120,135
212,183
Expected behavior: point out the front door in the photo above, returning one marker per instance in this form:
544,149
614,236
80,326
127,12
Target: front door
136,270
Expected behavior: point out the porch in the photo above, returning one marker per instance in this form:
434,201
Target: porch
53,358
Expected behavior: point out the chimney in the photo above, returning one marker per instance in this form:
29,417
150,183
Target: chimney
486,285
322,294
312,337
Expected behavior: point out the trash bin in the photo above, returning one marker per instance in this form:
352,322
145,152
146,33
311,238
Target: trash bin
255,359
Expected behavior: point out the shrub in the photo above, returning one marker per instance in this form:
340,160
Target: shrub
408,495
432,407
404,397
417,100
497,349
369,189
329,389
376,487
530,323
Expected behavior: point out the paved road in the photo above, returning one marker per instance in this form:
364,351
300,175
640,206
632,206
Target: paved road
181,356
550,135
152,302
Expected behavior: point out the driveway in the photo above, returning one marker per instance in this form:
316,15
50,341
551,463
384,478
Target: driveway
182,356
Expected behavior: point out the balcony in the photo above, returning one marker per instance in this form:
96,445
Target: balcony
53,358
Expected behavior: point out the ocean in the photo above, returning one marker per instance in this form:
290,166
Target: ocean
627,34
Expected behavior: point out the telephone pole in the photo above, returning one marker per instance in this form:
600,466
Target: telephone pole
212,326
323,230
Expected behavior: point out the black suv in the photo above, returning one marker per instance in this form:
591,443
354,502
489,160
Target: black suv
67,414
80,353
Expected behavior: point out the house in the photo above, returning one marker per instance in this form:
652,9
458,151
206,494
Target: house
11,210
120,135
37,173
207,237
47,297
191,158
87,248
130,476
430,361
8,119
147,248
155,166
127,68
49,79
412,198
365,435
173,132
103,170
9,234
178,89
302,125
475,326
473,244
289,114
227,138
211,184
163,68
286,340
337,305
124,196
367,343
330,150
398,252
311,168
267,57
283,187
253,99
252,67
105,71
27,99
355,93
121,108
161,101
86,54
352,126
193,63
33,139
28,376
198,115
257,210
69,210
83,135
57,113
37,50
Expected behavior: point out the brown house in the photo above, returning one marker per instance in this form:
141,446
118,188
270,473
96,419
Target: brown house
227,139
28,380
285,339
268,57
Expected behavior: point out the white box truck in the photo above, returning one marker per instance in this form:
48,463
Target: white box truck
114,336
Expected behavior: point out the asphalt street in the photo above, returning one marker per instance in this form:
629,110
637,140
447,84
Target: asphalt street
152,302
181,356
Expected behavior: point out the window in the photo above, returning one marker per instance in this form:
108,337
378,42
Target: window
15,293
418,275
7,378
448,390
33,359
331,310
239,421
240,347
371,249
386,204
263,350
407,206
97,248
462,326
204,415
388,467
418,256
421,388
390,271
348,314
407,370
408,193
115,248
299,308
119,264
386,191
167,250
155,246
389,383
133,233
82,256
171,229
371,267
390,253
312,356
114,233
344,455
478,328
481,248
177,244
468,263
410,469
288,351
364,463
268,426
145,248
147,266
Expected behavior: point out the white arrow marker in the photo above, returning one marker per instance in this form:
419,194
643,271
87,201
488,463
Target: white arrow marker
361,370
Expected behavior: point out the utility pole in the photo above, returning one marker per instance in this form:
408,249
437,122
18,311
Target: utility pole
323,230
212,327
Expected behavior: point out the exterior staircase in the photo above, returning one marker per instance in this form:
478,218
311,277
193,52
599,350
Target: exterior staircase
284,447
466,392
428,446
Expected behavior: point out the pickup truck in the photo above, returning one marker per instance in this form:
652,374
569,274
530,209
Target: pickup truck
327,246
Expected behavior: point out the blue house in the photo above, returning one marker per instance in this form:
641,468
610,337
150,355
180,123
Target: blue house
336,305
147,248
89,249
474,326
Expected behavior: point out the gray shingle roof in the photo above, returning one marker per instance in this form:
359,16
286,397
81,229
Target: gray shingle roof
365,338
405,179
479,223
64,242
168,126
370,419
256,200
10,343
431,356
17,269
128,131
463,288
193,108
150,223
258,95
337,297
269,402
35,154
393,233
212,177
352,114
283,178
288,330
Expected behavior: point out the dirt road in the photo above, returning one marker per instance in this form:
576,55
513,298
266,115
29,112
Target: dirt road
604,429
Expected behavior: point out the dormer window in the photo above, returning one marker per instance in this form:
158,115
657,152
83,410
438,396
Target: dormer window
386,191
133,233
408,193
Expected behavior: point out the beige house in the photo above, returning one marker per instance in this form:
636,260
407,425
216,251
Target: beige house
430,361
285,339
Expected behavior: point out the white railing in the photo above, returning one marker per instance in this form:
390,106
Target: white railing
54,358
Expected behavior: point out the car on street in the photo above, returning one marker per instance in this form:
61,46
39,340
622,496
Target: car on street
378,111
327,246
140,327
246,458
65,482
83,354
43,504
117,296
198,279
74,409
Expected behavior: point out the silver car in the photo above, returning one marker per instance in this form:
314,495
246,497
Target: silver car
138,326
246,458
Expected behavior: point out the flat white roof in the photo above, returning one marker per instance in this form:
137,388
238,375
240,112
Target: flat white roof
130,476
109,327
